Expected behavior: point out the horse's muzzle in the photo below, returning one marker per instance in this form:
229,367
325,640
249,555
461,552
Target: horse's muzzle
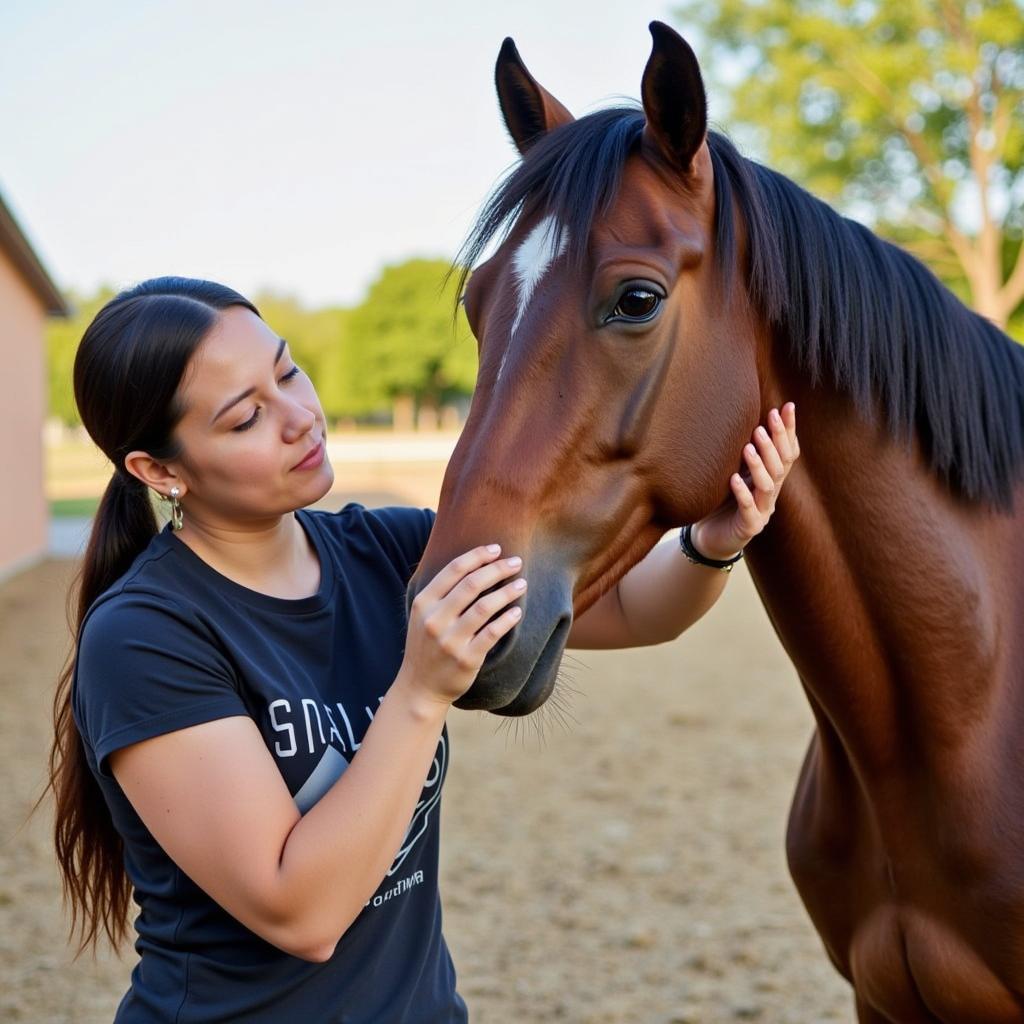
520,672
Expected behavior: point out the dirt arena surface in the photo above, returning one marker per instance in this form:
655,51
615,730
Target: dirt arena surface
623,866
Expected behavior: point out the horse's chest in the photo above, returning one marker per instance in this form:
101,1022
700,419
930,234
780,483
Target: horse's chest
910,967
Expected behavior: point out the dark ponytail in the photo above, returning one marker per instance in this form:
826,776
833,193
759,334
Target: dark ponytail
128,369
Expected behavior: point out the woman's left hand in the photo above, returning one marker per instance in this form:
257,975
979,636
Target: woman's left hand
743,516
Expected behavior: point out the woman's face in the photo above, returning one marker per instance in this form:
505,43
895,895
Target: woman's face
251,418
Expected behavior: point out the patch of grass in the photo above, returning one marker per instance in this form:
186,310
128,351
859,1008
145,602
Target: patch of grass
86,508
73,507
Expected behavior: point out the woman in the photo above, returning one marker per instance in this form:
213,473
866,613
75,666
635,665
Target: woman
250,735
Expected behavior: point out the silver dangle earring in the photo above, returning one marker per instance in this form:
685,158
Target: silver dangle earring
176,518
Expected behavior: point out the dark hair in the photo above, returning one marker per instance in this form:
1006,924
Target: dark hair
128,368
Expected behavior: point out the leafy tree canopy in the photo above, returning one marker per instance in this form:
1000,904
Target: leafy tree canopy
906,113
403,339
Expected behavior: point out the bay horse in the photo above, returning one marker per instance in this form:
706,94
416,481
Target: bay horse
650,297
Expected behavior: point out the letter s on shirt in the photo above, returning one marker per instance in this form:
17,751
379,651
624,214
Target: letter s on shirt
283,727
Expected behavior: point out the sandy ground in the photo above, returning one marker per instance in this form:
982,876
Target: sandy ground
626,868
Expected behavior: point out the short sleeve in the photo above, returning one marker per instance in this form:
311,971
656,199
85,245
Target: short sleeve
405,531
146,667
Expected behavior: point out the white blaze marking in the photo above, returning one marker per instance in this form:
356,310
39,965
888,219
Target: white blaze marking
541,247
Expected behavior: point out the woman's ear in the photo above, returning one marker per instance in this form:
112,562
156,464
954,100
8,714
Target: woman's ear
674,100
530,111
154,474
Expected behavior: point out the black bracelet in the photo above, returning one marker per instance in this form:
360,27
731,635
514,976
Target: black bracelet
693,555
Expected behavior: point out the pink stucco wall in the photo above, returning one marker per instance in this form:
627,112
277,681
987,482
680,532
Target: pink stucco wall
23,509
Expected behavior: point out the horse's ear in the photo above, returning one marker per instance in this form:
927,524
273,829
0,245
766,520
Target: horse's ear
528,108
674,100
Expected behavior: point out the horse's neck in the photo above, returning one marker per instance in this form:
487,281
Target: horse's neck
887,592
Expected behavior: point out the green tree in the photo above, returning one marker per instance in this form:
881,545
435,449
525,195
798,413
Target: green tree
62,338
402,341
333,379
908,113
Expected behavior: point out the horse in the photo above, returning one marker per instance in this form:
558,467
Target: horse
650,295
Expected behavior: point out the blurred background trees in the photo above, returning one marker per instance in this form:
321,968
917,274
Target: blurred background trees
406,345
402,355
906,114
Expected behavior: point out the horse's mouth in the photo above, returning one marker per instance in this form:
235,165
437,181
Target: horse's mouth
539,683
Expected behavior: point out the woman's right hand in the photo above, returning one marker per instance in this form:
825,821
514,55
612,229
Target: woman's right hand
450,630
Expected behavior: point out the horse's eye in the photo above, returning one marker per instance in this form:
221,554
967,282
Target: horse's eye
636,305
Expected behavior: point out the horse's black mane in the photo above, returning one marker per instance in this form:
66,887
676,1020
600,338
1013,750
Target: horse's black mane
853,306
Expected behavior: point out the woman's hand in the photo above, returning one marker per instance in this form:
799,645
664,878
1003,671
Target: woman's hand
450,632
746,513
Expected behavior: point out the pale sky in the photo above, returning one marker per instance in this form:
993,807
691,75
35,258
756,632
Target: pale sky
298,146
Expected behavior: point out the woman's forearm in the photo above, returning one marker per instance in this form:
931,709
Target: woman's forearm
337,854
665,593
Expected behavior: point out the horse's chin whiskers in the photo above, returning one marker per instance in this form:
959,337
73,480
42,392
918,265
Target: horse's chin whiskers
510,726
554,713
517,729
575,662
559,710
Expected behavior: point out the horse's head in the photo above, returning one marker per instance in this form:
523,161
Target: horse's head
618,366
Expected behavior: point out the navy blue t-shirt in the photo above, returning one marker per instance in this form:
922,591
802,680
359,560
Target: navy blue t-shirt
174,643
